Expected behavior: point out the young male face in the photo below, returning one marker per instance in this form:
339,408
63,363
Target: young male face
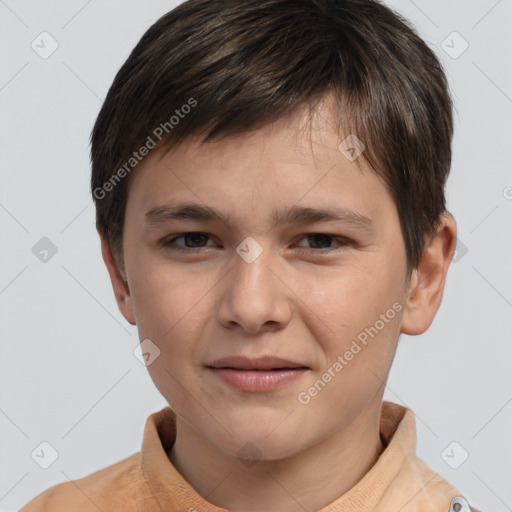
291,302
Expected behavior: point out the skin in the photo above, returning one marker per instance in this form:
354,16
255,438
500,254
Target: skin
291,302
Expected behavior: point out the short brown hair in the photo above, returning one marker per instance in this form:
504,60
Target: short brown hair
249,63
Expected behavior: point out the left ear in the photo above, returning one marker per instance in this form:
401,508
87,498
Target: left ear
428,279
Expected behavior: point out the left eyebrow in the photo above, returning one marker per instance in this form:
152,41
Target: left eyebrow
305,215
184,211
293,215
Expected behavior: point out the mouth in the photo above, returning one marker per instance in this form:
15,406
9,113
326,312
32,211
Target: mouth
262,374
258,363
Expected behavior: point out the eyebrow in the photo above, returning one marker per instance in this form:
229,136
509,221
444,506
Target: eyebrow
293,215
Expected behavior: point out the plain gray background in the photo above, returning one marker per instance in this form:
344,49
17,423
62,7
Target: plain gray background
68,373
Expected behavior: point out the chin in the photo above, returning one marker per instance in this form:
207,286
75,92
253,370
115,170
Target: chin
253,449
267,443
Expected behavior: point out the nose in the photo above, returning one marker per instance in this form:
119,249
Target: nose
255,296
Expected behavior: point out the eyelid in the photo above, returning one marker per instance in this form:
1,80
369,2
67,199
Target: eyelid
166,242
341,240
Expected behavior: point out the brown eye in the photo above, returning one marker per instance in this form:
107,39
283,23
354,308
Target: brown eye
322,243
192,241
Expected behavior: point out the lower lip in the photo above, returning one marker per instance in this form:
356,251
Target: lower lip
258,380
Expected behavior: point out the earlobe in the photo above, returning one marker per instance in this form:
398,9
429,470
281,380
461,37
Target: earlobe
119,282
428,279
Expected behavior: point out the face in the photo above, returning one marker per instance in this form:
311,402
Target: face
306,308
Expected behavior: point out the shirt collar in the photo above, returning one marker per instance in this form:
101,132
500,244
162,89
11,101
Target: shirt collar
172,492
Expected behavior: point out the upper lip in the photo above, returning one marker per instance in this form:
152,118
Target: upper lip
257,363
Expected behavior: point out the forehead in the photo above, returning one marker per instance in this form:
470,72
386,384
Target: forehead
308,135
299,160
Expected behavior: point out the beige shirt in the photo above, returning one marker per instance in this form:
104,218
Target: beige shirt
147,481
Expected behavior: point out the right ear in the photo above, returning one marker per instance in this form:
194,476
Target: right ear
119,282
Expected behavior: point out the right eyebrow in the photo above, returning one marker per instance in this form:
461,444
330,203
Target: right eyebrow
293,215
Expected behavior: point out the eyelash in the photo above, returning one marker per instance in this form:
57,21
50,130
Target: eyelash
167,243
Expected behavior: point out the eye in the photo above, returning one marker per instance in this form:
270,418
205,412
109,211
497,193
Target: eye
322,242
193,241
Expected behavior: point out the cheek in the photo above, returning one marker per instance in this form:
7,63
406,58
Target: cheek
357,360
171,309
362,308
165,298
344,302
168,313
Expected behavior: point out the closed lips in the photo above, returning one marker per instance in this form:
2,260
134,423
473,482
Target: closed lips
253,364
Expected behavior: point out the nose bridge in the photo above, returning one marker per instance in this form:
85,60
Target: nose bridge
254,295
252,274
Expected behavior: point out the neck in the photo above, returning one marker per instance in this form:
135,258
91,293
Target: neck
310,479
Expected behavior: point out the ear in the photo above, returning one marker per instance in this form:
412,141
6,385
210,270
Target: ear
428,279
119,282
